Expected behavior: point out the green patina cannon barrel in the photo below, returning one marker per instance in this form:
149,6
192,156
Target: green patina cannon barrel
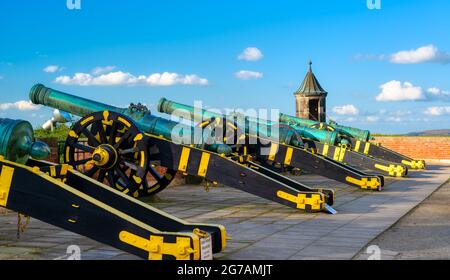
328,137
17,141
144,120
359,134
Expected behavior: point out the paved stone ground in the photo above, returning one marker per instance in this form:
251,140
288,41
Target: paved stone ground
424,233
258,229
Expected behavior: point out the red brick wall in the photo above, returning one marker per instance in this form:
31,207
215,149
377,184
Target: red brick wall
418,147
53,144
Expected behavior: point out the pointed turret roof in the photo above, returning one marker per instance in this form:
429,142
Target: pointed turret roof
310,85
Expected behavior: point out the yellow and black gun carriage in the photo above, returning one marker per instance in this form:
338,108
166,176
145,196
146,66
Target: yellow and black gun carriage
356,141
250,138
64,197
133,151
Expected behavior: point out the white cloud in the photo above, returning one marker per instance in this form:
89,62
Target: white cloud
434,90
51,69
401,113
372,119
394,119
168,79
349,119
125,78
437,111
398,91
102,69
22,105
348,109
247,75
251,54
424,54
435,93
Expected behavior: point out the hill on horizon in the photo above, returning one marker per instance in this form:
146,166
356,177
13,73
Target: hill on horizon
434,132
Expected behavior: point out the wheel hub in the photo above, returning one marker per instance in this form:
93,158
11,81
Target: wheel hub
104,156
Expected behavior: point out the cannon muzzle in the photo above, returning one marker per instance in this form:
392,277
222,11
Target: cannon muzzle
17,142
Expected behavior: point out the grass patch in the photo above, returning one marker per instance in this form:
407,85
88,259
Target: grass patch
59,133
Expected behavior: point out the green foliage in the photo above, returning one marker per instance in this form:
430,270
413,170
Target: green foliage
60,133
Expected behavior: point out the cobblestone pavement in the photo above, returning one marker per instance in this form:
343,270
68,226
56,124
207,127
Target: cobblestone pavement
259,229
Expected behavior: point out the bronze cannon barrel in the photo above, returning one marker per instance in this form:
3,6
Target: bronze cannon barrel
144,120
327,137
359,134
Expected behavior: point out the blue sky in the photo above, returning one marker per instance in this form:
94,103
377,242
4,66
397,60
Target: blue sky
386,70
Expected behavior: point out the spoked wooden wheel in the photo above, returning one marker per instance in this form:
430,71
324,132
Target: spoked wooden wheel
108,147
224,132
158,177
